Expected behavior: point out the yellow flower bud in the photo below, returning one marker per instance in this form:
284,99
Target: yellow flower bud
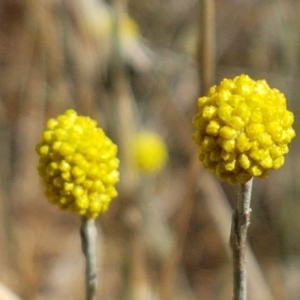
78,164
150,152
243,129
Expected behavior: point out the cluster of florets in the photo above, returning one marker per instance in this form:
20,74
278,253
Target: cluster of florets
78,164
243,129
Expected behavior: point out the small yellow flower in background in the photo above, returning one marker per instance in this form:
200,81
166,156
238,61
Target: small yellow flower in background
78,164
99,24
150,151
243,129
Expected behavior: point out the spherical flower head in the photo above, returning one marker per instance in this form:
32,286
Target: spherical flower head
150,152
78,164
243,129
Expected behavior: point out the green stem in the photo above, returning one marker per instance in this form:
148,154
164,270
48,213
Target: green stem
88,234
238,241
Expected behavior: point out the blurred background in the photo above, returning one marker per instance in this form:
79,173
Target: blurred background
141,65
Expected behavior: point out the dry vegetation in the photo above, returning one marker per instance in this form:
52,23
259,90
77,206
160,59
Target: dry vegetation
166,236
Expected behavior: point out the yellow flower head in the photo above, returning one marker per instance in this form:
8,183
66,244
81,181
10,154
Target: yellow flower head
150,152
243,129
78,164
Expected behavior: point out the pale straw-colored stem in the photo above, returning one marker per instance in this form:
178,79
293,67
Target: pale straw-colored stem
238,241
207,45
7,294
88,234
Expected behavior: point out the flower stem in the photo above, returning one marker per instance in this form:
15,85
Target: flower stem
207,44
88,234
238,241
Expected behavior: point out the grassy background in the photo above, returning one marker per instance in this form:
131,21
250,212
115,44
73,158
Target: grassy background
165,236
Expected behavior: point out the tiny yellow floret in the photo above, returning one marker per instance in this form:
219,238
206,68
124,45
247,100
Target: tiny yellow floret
243,129
150,152
78,164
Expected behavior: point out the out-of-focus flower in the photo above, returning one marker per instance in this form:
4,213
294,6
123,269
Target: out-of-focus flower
99,22
150,151
78,164
243,129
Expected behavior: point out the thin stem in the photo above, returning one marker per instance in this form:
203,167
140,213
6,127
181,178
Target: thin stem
88,234
207,45
238,241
